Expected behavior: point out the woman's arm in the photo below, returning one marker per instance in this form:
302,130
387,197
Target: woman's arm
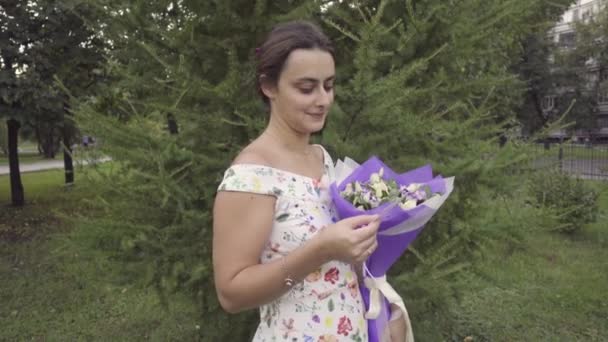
242,223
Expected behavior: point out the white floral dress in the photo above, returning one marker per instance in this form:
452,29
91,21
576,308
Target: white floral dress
327,305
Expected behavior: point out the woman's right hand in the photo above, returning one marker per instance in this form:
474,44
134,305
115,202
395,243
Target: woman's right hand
351,240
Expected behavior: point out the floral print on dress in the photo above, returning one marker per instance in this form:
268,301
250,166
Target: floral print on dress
333,275
326,305
344,327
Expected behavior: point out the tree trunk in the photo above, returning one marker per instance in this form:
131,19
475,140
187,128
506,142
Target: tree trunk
67,156
17,194
49,143
172,124
38,138
537,101
48,139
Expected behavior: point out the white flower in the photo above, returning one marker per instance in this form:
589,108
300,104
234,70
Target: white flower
349,189
358,187
378,193
376,177
413,187
409,204
367,196
379,188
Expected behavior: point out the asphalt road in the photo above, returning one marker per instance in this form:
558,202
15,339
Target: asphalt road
45,165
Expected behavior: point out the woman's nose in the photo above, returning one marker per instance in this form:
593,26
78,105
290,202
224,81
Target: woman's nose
324,97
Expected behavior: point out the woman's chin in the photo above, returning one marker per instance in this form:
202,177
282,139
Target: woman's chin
316,124
312,124
315,128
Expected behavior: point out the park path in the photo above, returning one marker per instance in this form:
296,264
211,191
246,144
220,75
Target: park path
46,165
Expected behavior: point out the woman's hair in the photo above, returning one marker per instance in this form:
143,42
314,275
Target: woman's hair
280,42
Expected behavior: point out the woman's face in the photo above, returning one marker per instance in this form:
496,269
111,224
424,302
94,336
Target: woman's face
305,90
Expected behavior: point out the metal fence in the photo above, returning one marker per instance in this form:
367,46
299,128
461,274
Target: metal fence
583,161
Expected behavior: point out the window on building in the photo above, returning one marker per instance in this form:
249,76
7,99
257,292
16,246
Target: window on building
591,80
575,15
567,39
602,122
548,103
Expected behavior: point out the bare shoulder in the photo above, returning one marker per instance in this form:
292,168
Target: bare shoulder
232,206
254,153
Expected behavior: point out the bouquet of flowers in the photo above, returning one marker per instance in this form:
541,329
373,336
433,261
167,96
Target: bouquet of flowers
405,203
377,191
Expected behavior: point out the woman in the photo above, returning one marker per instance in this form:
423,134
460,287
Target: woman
277,244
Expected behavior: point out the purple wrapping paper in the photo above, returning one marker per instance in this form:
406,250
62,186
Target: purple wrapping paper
390,247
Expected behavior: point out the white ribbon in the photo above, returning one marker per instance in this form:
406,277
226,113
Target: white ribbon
378,288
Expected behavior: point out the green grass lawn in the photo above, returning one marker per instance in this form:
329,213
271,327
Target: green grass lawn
553,288
48,295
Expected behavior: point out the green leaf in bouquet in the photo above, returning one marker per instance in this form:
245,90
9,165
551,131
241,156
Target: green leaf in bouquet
427,191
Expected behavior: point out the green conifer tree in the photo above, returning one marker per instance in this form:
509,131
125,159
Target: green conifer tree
193,60
418,82
431,82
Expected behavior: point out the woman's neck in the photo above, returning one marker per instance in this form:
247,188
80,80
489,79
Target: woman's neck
289,139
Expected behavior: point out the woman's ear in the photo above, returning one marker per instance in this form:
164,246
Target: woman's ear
268,88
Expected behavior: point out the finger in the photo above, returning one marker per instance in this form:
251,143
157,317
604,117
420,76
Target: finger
361,248
369,244
361,259
368,250
374,247
369,230
366,254
361,220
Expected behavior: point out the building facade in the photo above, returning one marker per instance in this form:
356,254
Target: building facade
564,35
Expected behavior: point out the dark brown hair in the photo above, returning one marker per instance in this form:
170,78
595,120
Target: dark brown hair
280,42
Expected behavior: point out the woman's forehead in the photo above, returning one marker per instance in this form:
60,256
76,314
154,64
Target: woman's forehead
309,64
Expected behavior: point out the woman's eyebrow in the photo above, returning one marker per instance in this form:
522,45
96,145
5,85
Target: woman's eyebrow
314,80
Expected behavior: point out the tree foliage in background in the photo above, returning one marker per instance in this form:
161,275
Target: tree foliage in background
592,45
418,82
431,83
18,32
40,42
559,73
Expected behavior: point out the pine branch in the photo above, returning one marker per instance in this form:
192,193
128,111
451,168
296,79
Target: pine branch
342,30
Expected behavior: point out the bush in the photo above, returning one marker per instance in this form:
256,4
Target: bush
573,201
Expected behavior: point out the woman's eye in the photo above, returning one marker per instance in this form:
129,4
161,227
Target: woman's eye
306,90
329,87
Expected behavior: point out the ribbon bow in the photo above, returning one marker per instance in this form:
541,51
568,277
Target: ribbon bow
379,287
